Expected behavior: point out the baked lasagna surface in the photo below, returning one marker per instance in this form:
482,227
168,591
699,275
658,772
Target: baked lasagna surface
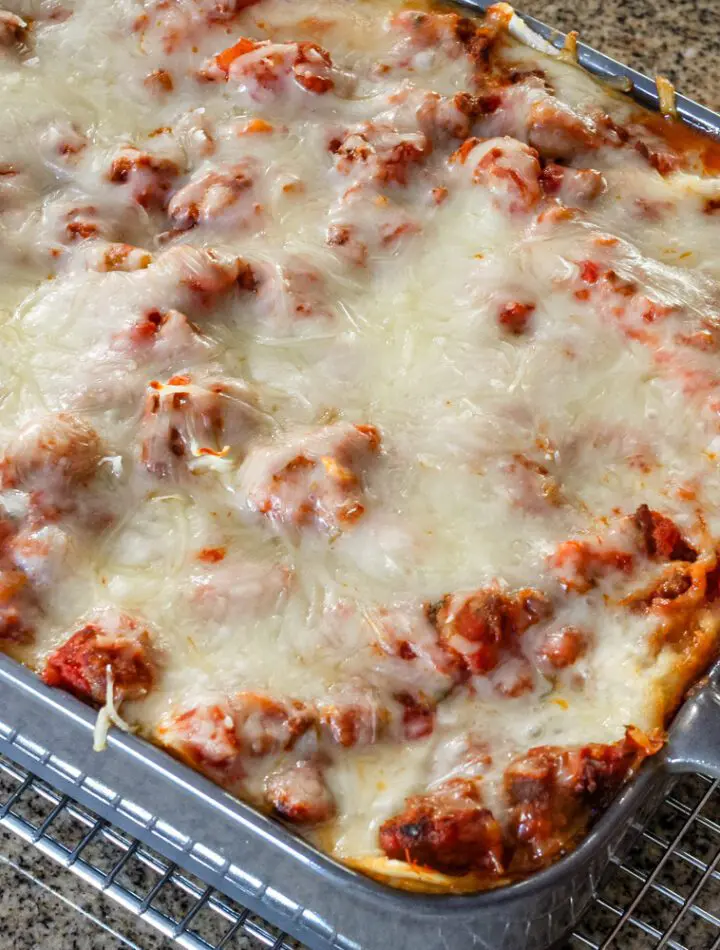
360,413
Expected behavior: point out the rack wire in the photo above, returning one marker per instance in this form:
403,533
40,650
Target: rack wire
665,893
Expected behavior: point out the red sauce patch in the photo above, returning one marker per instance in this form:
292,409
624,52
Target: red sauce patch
211,555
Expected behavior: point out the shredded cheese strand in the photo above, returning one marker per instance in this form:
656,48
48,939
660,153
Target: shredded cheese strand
107,715
666,96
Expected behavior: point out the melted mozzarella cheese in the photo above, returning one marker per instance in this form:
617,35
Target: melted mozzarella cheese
409,343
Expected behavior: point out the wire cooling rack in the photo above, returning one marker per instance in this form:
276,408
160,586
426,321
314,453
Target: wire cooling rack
665,893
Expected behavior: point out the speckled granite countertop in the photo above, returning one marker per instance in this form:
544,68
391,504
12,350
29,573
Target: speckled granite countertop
45,908
679,39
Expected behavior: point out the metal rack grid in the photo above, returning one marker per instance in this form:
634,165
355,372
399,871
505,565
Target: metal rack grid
665,893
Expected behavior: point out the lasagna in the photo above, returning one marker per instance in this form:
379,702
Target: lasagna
360,412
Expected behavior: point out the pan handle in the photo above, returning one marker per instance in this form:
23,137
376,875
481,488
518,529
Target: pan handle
694,743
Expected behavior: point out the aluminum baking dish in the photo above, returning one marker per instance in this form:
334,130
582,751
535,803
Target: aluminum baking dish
282,878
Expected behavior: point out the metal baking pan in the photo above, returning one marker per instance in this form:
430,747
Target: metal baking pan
282,878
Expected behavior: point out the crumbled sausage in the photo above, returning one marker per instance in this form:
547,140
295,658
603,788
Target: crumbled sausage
660,538
483,626
161,336
118,257
221,738
562,647
13,29
159,81
149,177
514,317
509,170
52,457
194,279
188,418
448,830
353,717
379,153
224,196
580,564
556,131
573,186
366,223
314,481
80,665
266,726
553,791
300,795
268,69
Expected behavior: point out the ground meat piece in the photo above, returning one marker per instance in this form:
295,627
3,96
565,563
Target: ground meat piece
562,647
267,70
299,794
156,324
15,626
223,197
148,177
673,585
660,537
366,224
556,131
553,793
316,480
418,716
425,666
39,552
448,830
441,117
218,738
118,257
509,170
290,293
70,222
427,34
161,336
484,626
620,300
187,419
573,186
193,279
353,717
513,677
32,555
662,158
580,564
17,605
514,317
121,643
679,590
13,29
378,152
430,31
159,82
238,587
266,726
312,68
177,25
53,457
345,237
205,738
61,144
